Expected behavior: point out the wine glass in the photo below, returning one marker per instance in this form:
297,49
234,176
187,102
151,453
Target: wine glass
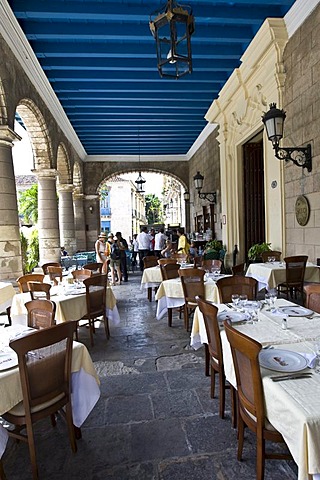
235,299
273,297
268,301
243,301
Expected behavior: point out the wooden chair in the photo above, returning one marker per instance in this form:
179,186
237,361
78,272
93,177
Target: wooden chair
271,253
29,277
236,284
150,261
41,313
169,271
295,270
49,264
96,286
215,356
192,280
245,354
180,257
211,264
312,293
39,291
197,261
55,274
166,261
95,267
238,269
82,274
45,369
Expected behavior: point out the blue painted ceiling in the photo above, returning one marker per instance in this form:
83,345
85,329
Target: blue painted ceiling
100,59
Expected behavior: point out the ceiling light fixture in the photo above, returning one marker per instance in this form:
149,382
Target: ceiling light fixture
172,27
273,121
140,181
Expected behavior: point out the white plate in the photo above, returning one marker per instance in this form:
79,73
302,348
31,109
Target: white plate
282,360
251,304
235,317
81,291
295,311
8,360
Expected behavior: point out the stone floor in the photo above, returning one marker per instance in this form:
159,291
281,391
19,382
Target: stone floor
155,419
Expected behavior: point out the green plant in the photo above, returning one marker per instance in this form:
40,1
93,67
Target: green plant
29,251
214,250
24,251
254,252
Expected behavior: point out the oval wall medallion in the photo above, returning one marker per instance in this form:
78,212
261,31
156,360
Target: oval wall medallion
302,210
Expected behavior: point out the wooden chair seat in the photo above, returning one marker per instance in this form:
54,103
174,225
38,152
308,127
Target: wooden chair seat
192,280
29,277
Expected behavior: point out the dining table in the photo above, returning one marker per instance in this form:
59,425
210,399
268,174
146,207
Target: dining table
170,294
270,274
85,383
292,407
70,304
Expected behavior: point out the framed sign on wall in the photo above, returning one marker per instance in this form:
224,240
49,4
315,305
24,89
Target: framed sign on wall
302,210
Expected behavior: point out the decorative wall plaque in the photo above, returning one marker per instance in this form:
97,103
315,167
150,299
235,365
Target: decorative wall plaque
302,210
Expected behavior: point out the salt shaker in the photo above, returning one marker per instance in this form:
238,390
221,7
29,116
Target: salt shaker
284,324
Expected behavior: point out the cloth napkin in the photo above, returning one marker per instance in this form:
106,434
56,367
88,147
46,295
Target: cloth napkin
311,359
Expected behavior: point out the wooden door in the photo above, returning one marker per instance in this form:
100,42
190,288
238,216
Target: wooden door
254,202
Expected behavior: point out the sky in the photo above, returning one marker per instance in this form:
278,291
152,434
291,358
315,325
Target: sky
23,164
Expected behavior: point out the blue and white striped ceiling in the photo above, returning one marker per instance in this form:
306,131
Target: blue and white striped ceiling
100,59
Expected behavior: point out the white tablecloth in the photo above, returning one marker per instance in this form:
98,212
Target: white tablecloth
7,292
151,277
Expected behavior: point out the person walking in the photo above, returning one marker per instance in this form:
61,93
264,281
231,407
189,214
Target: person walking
100,248
123,246
143,245
114,260
135,250
159,242
183,244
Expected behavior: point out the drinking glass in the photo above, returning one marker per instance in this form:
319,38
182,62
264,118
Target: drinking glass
273,297
269,259
316,350
243,301
235,299
268,301
215,271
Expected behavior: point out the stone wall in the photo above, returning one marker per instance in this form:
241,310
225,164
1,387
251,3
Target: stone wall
207,161
301,101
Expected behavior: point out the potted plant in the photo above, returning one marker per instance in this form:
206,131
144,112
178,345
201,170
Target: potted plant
214,250
254,252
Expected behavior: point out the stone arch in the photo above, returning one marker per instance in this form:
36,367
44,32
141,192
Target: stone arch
77,178
95,173
38,133
3,107
63,165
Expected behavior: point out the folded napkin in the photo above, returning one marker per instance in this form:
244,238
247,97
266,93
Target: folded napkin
311,359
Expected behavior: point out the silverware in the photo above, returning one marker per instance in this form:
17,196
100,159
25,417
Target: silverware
292,376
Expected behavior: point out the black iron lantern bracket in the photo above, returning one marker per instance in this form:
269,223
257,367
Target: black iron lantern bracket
300,156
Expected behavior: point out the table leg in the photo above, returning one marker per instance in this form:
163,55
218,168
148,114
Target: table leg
170,317
150,294
77,432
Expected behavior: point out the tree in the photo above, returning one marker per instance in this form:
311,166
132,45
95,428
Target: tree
28,204
154,212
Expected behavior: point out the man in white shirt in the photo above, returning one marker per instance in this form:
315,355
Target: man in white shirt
143,240
160,242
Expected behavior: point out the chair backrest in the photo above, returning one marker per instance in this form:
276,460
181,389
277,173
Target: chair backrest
197,261
170,270
150,261
49,264
295,268
165,261
271,253
192,280
180,257
82,274
95,267
245,355
312,301
236,284
96,294
55,273
211,264
209,312
41,313
39,291
29,277
238,269
45,366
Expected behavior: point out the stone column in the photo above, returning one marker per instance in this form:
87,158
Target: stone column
79,221
10,247
66,218
92,213
48,224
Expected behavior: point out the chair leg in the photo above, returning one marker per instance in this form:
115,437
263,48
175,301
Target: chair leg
260,457
186,317
240,436
150,294
9,315
207,360
91,331
32,451
71,428
213,382
234,418
106,326
222,394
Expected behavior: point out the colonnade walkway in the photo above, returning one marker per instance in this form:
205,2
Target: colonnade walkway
155,419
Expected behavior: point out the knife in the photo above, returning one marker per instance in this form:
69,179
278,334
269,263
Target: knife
291,376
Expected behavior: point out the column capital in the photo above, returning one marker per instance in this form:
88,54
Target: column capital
48,173
65,187
91,197
78,195
8,136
